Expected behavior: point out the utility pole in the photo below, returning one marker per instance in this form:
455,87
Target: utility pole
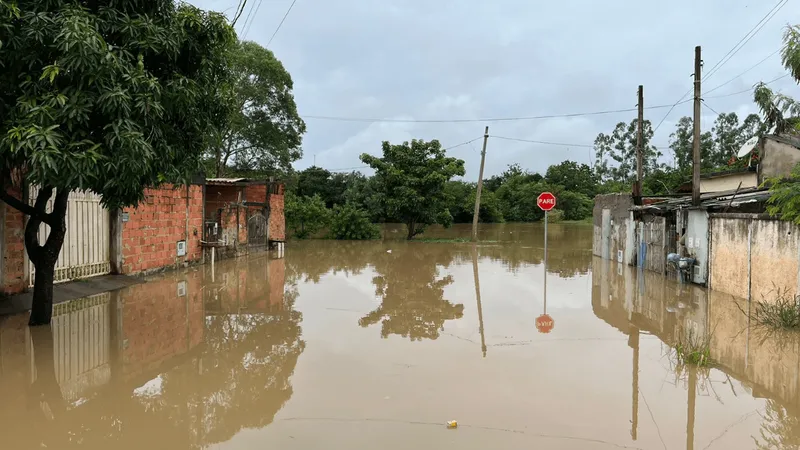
698,63
637,189
480,187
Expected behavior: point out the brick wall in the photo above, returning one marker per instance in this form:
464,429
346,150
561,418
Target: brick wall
154,227
277,220
13,248
158,324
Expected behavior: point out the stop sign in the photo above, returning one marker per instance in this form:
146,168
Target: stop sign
546,201
545,323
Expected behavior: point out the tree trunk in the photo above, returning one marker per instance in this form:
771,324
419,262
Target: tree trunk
411,229
44,257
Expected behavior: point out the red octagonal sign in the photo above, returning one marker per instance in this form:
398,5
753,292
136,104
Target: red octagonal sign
545,323
546,201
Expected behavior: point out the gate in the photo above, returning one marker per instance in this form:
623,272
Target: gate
256,228
86,249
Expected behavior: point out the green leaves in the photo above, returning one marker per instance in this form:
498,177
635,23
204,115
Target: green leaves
306,216
412,178
351,223
114,98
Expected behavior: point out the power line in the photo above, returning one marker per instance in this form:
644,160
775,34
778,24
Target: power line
239,11
679,102
347,169
253,12
748,70
749,89
709,107
562,144
747,37
485,119
281,24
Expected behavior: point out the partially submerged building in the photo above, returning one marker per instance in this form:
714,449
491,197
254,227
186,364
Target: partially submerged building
735,247
173,227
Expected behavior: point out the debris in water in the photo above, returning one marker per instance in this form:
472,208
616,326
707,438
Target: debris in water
388,251
452,424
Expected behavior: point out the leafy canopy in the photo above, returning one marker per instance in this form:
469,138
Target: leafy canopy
351,223
305,216
265,131
110,96
412,177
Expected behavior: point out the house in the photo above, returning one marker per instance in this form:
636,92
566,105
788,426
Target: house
172,227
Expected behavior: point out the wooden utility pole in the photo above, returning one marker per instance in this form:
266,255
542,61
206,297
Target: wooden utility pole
480,187
637,189
696,144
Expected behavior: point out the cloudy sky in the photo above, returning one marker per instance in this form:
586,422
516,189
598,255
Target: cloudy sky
470,59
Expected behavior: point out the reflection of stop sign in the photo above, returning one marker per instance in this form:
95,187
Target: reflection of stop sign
546,201
544,323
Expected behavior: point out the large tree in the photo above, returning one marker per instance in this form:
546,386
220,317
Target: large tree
412,177
615,154
579,178
681,142
111,97
264,132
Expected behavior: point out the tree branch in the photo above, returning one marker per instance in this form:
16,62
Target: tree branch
19,205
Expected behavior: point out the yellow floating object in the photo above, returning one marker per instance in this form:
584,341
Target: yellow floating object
452,424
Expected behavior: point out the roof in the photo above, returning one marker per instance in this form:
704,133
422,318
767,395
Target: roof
710,200
225,180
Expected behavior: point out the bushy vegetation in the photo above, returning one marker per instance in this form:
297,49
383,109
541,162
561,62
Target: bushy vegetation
351,223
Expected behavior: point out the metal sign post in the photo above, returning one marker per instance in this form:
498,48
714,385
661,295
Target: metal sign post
546,201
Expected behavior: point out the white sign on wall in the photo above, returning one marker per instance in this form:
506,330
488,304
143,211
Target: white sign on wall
690,243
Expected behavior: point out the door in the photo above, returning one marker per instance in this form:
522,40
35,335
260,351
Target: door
256,228
86,249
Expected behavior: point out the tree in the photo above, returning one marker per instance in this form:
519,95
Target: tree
412,177
682,142
329,186
111,97
305,215
351,223
780,110
615,154
573,177
265,132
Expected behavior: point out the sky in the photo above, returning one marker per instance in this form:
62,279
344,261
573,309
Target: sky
468,59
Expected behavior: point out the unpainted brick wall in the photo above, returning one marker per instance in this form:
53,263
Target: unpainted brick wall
157,324
277,220
13,248
151,234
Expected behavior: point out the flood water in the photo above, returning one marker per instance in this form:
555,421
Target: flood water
376,345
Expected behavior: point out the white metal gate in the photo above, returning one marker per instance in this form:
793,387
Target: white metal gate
86,249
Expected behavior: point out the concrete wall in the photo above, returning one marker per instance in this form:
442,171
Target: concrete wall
728,182
753,257
613,232
154,227
778,157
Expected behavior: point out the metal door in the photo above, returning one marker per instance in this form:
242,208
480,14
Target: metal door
86,249
257,227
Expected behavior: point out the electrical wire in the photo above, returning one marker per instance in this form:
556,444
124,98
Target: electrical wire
485,119
347,169
562,144
747,37
281,24
748,70
248,22
748,90
239,11
709,107
679,102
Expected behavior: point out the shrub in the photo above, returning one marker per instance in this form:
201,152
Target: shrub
306,215
351,223
555,215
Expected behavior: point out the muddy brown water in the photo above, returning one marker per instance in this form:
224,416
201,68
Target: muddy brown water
364,345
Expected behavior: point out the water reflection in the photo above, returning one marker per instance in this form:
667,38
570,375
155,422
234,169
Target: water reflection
178,362
766,363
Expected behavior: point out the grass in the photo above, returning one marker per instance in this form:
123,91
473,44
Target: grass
586,221
691,349
783,313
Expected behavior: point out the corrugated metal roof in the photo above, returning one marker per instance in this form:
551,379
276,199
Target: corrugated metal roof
225,180
710,200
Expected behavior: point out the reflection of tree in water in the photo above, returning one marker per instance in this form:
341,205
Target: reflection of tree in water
412,294
310,260
780,428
